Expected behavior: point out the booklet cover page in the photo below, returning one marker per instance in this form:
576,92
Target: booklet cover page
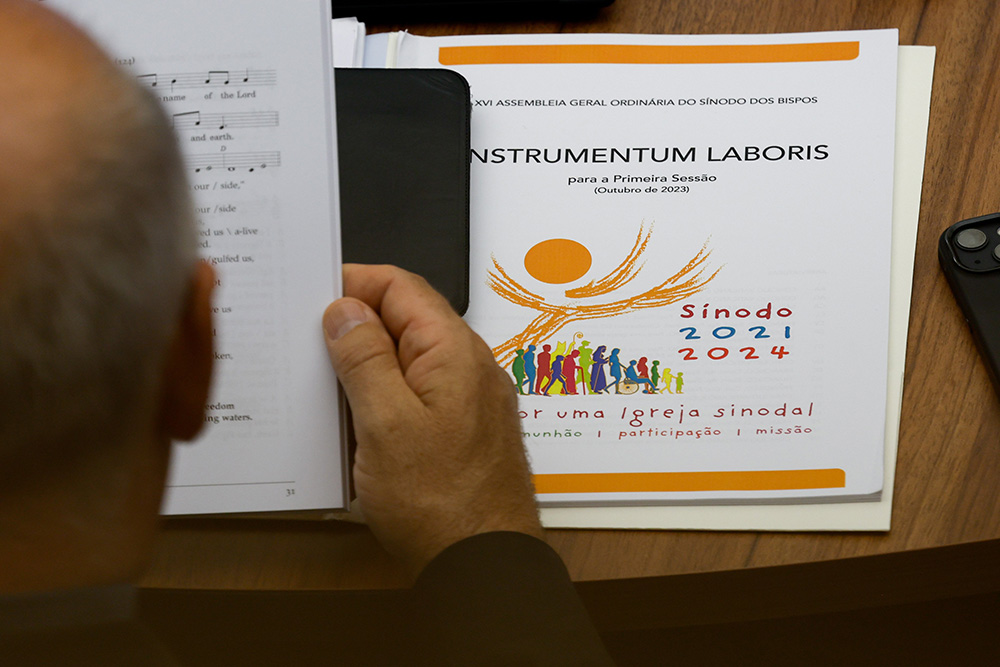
681,254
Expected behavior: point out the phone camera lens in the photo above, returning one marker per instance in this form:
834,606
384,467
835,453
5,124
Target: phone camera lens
970,239
996,253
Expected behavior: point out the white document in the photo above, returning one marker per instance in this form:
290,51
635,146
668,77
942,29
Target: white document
249,88
916,72
348,42
689,238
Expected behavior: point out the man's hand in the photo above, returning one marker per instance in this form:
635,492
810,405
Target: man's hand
439,455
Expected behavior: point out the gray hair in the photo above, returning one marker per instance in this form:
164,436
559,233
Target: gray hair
92,278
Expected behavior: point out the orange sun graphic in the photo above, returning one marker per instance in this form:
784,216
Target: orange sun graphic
557,261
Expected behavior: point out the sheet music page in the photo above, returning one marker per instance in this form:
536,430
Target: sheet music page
249,89
680,252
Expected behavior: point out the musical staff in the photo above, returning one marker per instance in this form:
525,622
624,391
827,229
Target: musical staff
192,120
211,78
234,161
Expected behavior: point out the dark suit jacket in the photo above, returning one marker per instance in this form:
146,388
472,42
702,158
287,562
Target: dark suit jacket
493,599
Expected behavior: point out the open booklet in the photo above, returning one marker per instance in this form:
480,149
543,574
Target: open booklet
249,89
682,250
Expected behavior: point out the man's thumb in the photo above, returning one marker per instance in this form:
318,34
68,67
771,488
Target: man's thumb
362,352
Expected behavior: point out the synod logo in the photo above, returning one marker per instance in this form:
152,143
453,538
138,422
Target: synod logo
562,262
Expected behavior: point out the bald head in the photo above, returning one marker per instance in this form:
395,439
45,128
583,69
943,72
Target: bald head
96,242
52,85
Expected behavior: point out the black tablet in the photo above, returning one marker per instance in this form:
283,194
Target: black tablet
403,142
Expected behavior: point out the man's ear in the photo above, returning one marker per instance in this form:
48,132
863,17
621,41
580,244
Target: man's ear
187,370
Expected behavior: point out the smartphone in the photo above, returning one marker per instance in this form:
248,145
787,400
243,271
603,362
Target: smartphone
969,252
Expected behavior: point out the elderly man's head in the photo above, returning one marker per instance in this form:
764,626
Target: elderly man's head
98,269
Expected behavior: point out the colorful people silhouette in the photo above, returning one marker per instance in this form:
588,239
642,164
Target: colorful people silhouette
569,369
615,368
556,376
517,368
598,382
642,369
668,379
544,363
529,368
585,360
583,371
632,374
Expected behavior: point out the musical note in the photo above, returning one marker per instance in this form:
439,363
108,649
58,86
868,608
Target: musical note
223,74
195,119
233,161
186,119
211,78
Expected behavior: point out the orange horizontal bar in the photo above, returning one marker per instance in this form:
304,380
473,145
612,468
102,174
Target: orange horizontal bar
723,480
538,54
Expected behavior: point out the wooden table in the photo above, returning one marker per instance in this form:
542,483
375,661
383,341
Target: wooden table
945,537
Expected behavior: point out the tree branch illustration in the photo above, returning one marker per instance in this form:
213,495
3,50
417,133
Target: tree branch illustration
621,275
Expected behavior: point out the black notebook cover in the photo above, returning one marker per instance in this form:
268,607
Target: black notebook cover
403,140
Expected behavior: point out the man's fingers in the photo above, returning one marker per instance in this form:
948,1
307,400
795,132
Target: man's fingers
363,355
402,299
421,321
